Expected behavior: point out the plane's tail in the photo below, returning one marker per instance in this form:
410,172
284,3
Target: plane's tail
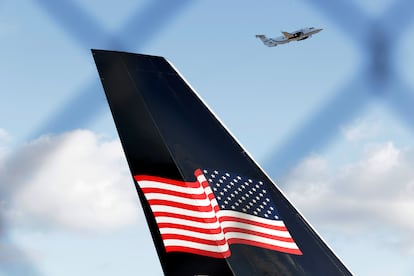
210,208
262,37
266,41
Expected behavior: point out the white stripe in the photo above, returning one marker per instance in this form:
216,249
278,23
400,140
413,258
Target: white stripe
181,211
204,225
235,235
193,234
251,217
194,202
171,187
196,245
278,233
201,178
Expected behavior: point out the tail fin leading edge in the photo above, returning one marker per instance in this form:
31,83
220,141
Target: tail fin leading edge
210,208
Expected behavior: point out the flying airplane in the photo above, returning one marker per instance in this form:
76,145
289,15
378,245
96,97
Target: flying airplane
209,206
288,37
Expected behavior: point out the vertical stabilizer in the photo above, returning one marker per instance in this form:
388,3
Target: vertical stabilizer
210,208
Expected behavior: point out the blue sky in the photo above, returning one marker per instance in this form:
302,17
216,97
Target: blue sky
333,130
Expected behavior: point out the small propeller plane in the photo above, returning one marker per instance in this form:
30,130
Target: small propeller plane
287,37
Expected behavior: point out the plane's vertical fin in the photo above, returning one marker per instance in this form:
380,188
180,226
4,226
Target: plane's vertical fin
211,210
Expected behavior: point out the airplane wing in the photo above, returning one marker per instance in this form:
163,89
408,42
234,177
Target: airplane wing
210,208
288,35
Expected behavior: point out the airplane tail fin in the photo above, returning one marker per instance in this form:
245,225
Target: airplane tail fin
287,34
210,208
266,41
262,37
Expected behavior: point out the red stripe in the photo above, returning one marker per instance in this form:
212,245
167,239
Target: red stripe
175,215
193,239
163,202
259,234
194,184
198,251
265,245
190,228
174,193
195,219
253,222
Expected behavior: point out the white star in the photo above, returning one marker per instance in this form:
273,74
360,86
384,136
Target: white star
227,174
250,180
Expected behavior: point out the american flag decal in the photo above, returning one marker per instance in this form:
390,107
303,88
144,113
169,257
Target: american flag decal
218,209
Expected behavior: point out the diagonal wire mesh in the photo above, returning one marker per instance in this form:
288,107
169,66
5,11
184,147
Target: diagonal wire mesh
145,23
377,79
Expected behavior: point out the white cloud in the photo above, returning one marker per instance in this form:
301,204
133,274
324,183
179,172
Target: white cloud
372,195
361,129
76,180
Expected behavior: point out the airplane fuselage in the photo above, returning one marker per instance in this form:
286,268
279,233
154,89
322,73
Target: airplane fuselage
287,37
